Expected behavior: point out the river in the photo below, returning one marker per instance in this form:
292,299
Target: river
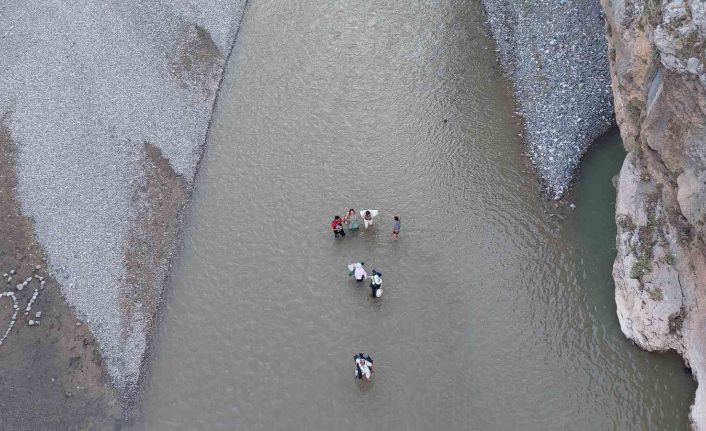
498,310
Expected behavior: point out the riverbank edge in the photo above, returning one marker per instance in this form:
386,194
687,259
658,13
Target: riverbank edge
177,237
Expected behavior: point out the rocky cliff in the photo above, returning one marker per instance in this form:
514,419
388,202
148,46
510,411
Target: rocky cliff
657,52
105,107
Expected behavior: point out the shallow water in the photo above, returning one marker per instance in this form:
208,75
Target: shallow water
498,310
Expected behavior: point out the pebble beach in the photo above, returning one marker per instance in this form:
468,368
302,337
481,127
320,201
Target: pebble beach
556,55
86,90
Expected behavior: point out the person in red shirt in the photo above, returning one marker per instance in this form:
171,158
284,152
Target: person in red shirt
337,226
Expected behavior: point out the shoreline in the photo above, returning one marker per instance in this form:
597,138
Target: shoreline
176,241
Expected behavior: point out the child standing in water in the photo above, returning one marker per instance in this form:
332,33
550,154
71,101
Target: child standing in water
337,226
396,225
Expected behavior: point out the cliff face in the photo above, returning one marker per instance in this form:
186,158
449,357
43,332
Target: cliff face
656,51
555,54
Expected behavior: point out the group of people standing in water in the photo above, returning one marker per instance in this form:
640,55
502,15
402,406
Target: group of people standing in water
363,363
350,222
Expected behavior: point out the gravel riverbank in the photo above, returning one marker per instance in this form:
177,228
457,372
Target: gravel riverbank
555,53
108,105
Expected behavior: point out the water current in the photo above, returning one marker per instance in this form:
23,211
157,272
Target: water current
498,311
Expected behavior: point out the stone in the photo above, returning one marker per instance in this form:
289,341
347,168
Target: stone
692,65
664,41
674,12
20,286
38,314
12,272
671,62
31,322
38,267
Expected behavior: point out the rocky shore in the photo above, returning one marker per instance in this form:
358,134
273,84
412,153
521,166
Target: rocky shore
659,83
104,111
555,54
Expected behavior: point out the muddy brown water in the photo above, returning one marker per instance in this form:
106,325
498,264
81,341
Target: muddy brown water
498,310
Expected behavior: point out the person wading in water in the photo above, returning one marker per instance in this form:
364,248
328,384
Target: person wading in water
351,220
363,366
396,225
337,226
368,219
376,284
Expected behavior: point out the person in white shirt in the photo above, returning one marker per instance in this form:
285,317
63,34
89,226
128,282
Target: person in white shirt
376,284
356,269
363,366
360,273
368,219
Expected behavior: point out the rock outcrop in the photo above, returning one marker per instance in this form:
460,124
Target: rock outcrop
108,104
657,52
555,54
